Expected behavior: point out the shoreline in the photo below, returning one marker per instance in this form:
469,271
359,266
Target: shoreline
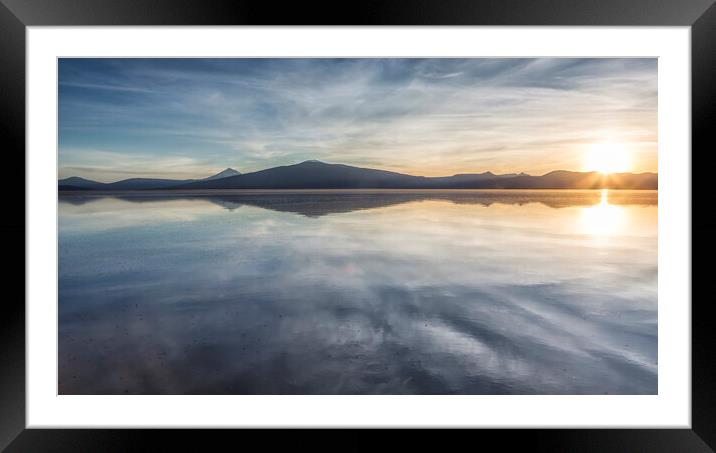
327,191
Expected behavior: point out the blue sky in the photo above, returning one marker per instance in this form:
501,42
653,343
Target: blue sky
183,118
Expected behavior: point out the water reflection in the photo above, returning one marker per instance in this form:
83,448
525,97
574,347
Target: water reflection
603,219
360,292
315,203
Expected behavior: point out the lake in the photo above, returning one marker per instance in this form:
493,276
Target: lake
358,292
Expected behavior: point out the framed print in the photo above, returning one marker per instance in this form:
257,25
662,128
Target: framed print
463,215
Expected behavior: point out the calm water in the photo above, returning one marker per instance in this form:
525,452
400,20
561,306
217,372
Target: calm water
468,292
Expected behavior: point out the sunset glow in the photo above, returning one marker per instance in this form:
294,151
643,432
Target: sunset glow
188,118
603,219
607,158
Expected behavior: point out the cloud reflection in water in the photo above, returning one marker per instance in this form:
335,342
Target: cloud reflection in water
469,292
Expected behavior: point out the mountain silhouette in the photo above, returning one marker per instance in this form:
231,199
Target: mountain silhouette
77,183
321,175
313,174
223,174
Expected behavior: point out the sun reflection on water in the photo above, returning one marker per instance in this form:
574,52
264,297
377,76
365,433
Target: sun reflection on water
469,292
603,219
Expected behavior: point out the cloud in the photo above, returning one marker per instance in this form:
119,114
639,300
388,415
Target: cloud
98,86
425,116
108,166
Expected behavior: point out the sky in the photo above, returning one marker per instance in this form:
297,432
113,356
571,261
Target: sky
189,118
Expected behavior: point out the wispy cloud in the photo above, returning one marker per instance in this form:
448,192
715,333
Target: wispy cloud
108,166
97,86
424,116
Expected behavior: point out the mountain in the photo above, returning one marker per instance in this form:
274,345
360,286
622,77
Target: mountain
77,183
80,183
314,174
467,179
144,183
321,175
562,179
223,174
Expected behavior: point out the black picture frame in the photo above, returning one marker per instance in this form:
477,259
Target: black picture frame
16,15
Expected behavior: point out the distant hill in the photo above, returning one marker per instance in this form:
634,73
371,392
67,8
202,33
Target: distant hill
563,179
312,175
320,175
77,183
223,174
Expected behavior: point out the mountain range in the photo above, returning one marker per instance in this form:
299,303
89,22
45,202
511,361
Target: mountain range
314,174
77,183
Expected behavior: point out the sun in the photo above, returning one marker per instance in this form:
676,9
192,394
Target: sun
607,158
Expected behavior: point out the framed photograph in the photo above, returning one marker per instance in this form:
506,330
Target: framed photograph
464,215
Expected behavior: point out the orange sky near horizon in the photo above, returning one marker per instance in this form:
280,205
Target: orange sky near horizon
189,118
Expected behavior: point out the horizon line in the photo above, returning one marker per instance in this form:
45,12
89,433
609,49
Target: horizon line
520,173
